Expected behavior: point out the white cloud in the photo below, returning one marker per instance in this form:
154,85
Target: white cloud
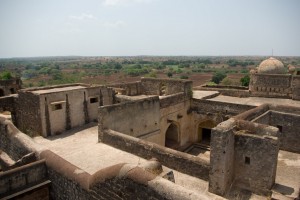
123,2
83,16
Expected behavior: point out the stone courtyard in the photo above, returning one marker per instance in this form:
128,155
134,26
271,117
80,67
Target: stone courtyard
80,147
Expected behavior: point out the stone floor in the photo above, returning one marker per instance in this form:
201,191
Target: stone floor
80,147
255,101
288,174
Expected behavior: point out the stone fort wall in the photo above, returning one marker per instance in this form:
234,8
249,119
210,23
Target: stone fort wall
121,181
154,86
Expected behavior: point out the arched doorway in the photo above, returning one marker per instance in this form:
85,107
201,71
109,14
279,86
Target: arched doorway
1,93
172,136
204,131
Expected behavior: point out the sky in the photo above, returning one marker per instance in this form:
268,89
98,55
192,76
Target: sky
31,28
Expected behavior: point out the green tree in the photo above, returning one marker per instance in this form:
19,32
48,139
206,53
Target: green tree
226,81
170,74
218,77
6,75
245,80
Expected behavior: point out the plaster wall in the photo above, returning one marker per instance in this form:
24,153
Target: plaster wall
178,115
93,100
138,118
78,107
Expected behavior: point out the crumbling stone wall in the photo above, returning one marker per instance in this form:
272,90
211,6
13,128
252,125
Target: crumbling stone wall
164,87
129,89
10,86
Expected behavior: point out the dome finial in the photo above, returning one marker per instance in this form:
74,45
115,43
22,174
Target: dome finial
272,52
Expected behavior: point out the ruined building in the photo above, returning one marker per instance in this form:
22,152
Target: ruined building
154,139
10,86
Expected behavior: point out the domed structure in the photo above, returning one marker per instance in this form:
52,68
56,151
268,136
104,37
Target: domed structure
271,66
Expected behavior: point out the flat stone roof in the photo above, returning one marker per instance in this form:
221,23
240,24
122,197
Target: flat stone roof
256,101
80,147
58,89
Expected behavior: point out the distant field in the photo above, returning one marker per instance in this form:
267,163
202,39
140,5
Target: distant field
109,70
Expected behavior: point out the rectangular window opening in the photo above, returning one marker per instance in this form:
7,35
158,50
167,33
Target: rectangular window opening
94,100
247,160
280,128
56,107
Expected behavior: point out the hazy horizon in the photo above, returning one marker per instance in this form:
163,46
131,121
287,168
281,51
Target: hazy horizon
92,28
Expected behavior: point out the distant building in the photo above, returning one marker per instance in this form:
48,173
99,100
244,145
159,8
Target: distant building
271,79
